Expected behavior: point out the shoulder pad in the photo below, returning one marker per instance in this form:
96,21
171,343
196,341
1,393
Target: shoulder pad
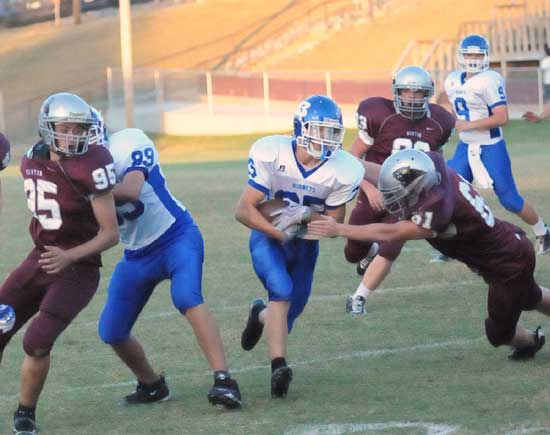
267,148
348,169
39,151
125,141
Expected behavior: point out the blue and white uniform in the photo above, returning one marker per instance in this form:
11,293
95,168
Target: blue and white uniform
286,270
475,99
161,239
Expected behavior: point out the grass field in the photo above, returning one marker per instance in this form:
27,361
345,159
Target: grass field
418,363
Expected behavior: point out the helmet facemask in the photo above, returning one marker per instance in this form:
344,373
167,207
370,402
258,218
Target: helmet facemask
75,144
321,139
472,65
412,108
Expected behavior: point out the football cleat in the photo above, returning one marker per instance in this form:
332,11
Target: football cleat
440,258
365,261
7,318
254,328
157,392
280,380
355,305
24,423
225,391
542,243
529,352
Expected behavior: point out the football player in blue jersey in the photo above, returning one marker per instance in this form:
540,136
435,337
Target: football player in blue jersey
162,242
478,97
311,172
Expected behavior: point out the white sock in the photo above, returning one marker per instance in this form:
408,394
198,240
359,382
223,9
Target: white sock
362,291
539,228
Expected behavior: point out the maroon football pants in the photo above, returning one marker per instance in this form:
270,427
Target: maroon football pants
512,293
57,298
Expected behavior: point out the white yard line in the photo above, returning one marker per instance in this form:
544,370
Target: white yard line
340,429
358,354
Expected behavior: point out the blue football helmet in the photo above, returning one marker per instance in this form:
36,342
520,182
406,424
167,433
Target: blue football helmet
7,318
473,44
318,126
98,131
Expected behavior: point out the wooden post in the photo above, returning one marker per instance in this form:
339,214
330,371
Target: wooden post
57,12
266,93
126,58
76,12
328,84
209,92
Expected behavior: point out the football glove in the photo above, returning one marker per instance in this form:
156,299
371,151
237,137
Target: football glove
292,214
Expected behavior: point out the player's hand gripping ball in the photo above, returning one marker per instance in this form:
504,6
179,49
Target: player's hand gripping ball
7,318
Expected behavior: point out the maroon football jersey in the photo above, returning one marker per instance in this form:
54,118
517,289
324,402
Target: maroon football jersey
466,228
59,194
392,132
4,151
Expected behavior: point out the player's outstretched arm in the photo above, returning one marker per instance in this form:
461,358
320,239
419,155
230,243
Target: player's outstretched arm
404,230
533,117
103,205
248,214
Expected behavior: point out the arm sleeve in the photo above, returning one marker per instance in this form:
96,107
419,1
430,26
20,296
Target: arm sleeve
494,92
368,120
260,168
97,172
142,157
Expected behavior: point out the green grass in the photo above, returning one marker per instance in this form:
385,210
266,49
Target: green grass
340,379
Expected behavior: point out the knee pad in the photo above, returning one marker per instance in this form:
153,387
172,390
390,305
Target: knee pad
498,333
390,250
109,334
355,251
511,201
42,333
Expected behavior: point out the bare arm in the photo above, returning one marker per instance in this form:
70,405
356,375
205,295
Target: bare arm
247,213
130,188
533,117
498,119
56,259
404,230
359,148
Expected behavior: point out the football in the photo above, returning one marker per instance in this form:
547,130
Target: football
268,208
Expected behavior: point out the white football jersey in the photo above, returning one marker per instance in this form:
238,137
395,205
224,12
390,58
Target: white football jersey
274,170
474,99
144,221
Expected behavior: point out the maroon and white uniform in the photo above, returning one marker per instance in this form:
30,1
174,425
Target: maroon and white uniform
58,196
465,229
4,152
386,131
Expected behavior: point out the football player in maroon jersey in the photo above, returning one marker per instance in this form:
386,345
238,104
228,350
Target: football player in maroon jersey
4,161
431,201
68,187
385,127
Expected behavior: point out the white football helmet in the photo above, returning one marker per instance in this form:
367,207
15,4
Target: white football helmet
414,78
404,176
65,108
